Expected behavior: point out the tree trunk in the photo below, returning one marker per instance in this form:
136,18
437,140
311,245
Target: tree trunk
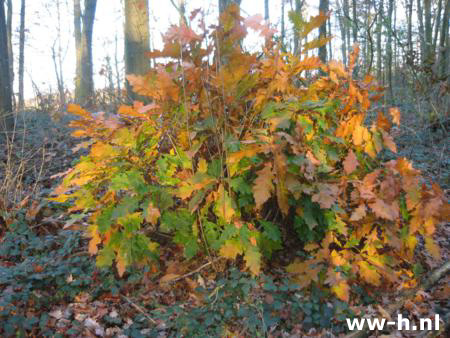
57,59
330,49
343,32
84,81
137,40
266,10
223,4
389,51
346,9
298,10
421,31
21,54
379,35
10,48
409,6
429,54
437,25
355,22
6,120
323,8
283,29
444,43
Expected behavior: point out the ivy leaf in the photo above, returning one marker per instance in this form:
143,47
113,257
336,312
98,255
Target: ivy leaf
350,162
263,185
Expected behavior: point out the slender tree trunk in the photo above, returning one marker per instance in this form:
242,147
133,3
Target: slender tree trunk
6,120
137,40
84,81
355,22
10,48
21,54
444,43
429,54
266,10
437,25
389,51
379,36
341,19
57,59
323,8
116,66
409,5
223,4
346,9
283,31
297,42
330,48
421,31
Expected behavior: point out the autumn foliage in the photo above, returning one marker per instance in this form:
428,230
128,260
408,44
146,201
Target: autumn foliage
242,154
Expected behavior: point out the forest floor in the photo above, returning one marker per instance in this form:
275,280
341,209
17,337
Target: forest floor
49,285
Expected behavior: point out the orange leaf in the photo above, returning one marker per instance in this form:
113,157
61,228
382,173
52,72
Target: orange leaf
231,249
395,113
342,290
389,141
152,214
120,264
350,162
95,240
384,210
369,273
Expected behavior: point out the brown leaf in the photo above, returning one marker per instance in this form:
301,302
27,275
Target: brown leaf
263,186
350,162
384,210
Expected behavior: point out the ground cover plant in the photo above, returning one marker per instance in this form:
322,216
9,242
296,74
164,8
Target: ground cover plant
246,194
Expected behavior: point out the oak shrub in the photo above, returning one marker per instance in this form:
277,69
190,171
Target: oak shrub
241,154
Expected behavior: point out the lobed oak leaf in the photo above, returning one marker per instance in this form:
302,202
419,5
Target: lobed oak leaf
95,240
350,162
253,261
342,290
359,213
432,248
389,141
326,196
384,210
231,249
369,273
263,185
395,113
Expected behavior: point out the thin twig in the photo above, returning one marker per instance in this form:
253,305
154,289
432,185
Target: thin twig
137,307
195,271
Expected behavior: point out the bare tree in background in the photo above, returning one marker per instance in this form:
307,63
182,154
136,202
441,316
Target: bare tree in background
444,43
389,51
58,58
21,54
84,26
6,120
223,4
137,39
9,15
323,8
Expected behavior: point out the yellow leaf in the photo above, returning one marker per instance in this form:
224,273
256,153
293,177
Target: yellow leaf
369,273
95,240
202,165
432,248
224,207
168,278
253,261
231,249
341,289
